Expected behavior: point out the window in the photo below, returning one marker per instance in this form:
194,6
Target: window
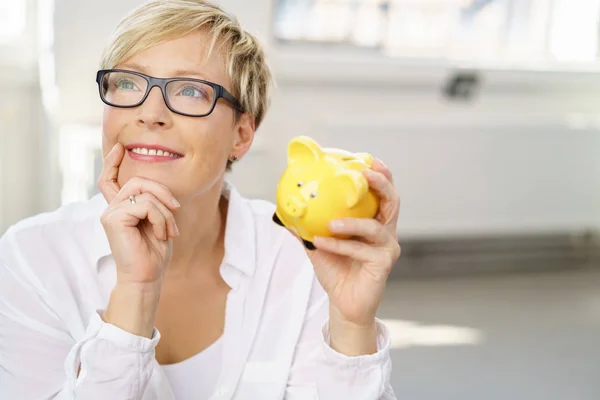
80,160
12,20
506,31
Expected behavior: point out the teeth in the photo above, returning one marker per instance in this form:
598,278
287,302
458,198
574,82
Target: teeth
154,152
140,151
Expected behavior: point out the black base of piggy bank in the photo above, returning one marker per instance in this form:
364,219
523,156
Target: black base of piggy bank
307,244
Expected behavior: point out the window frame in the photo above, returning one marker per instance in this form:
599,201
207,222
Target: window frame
333,63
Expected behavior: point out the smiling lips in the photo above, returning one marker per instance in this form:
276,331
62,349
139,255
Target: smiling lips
152,153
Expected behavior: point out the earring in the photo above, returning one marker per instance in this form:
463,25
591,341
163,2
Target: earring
234,158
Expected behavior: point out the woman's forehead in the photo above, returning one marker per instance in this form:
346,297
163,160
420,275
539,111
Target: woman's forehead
186,56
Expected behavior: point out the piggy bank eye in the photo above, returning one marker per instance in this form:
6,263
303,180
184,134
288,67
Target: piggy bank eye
313,195
300,184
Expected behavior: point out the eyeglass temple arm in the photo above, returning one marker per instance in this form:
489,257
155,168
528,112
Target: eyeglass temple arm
230,98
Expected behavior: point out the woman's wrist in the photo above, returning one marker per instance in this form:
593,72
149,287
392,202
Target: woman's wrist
350,338
133,308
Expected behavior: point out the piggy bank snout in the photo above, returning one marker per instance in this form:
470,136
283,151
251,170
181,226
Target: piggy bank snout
294,207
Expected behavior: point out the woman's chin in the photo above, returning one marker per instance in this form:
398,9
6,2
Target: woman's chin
181,184
165,178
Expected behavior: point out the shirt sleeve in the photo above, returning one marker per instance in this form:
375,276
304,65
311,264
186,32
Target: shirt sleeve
318,372
40,359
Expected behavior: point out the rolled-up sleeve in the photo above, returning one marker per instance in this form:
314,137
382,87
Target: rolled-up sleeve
111,360
321,373
40,358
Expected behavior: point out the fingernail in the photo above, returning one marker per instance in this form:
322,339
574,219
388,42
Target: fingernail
334,225
175,202
176,230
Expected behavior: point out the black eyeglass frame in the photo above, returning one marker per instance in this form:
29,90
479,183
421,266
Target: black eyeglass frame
220,91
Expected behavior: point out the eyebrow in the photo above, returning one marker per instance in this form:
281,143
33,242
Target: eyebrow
182,73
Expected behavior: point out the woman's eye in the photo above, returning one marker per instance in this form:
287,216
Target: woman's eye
125,84
191,91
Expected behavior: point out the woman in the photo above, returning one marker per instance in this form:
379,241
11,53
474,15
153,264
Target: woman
170,285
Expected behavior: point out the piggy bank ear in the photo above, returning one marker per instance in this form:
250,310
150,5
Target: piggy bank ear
353,184
366,157
303,149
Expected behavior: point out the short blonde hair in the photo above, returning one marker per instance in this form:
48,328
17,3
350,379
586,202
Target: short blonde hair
160,20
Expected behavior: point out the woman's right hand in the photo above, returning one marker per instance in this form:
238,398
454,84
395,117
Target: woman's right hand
141,234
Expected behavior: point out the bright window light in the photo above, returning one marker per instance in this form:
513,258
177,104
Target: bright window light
495,32
79,146
12,20
574,34
412,334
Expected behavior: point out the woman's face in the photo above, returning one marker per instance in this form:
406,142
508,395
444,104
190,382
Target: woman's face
204,143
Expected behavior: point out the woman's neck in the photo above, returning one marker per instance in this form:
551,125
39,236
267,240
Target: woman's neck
201,223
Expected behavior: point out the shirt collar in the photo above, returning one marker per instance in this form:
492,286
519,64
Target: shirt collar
240,232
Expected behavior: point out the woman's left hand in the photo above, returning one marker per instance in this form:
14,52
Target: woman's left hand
354,271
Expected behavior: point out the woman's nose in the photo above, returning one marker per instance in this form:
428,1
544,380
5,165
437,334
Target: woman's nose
154,111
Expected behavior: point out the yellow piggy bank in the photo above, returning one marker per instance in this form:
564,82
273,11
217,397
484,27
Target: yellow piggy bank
321,184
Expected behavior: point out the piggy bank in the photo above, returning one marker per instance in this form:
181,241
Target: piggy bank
321,184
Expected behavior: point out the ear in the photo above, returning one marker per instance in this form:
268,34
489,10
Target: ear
303,149
244,135
354,185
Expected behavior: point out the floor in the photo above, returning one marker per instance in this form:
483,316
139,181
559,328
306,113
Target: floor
531,336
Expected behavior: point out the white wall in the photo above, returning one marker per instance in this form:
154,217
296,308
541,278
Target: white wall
504,165
23,128
21,125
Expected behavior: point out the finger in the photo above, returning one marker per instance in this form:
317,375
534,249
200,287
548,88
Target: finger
146,209
346,247
389,207
368,229
381,185
136,186
107,181
172,229
379,166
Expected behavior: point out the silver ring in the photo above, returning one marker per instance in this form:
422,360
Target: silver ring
132,199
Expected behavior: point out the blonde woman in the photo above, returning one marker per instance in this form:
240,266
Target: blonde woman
170,284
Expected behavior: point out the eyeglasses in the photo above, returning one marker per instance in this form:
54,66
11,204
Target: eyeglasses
184,96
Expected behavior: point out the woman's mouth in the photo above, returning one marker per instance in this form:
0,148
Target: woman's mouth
151,153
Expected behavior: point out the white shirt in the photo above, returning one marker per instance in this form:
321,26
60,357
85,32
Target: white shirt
56,275
195,377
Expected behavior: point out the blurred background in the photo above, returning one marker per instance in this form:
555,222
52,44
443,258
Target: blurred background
487,112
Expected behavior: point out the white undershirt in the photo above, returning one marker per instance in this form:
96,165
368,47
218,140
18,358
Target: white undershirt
196,377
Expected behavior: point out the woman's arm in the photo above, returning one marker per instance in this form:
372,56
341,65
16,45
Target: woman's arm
320,372
39,358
